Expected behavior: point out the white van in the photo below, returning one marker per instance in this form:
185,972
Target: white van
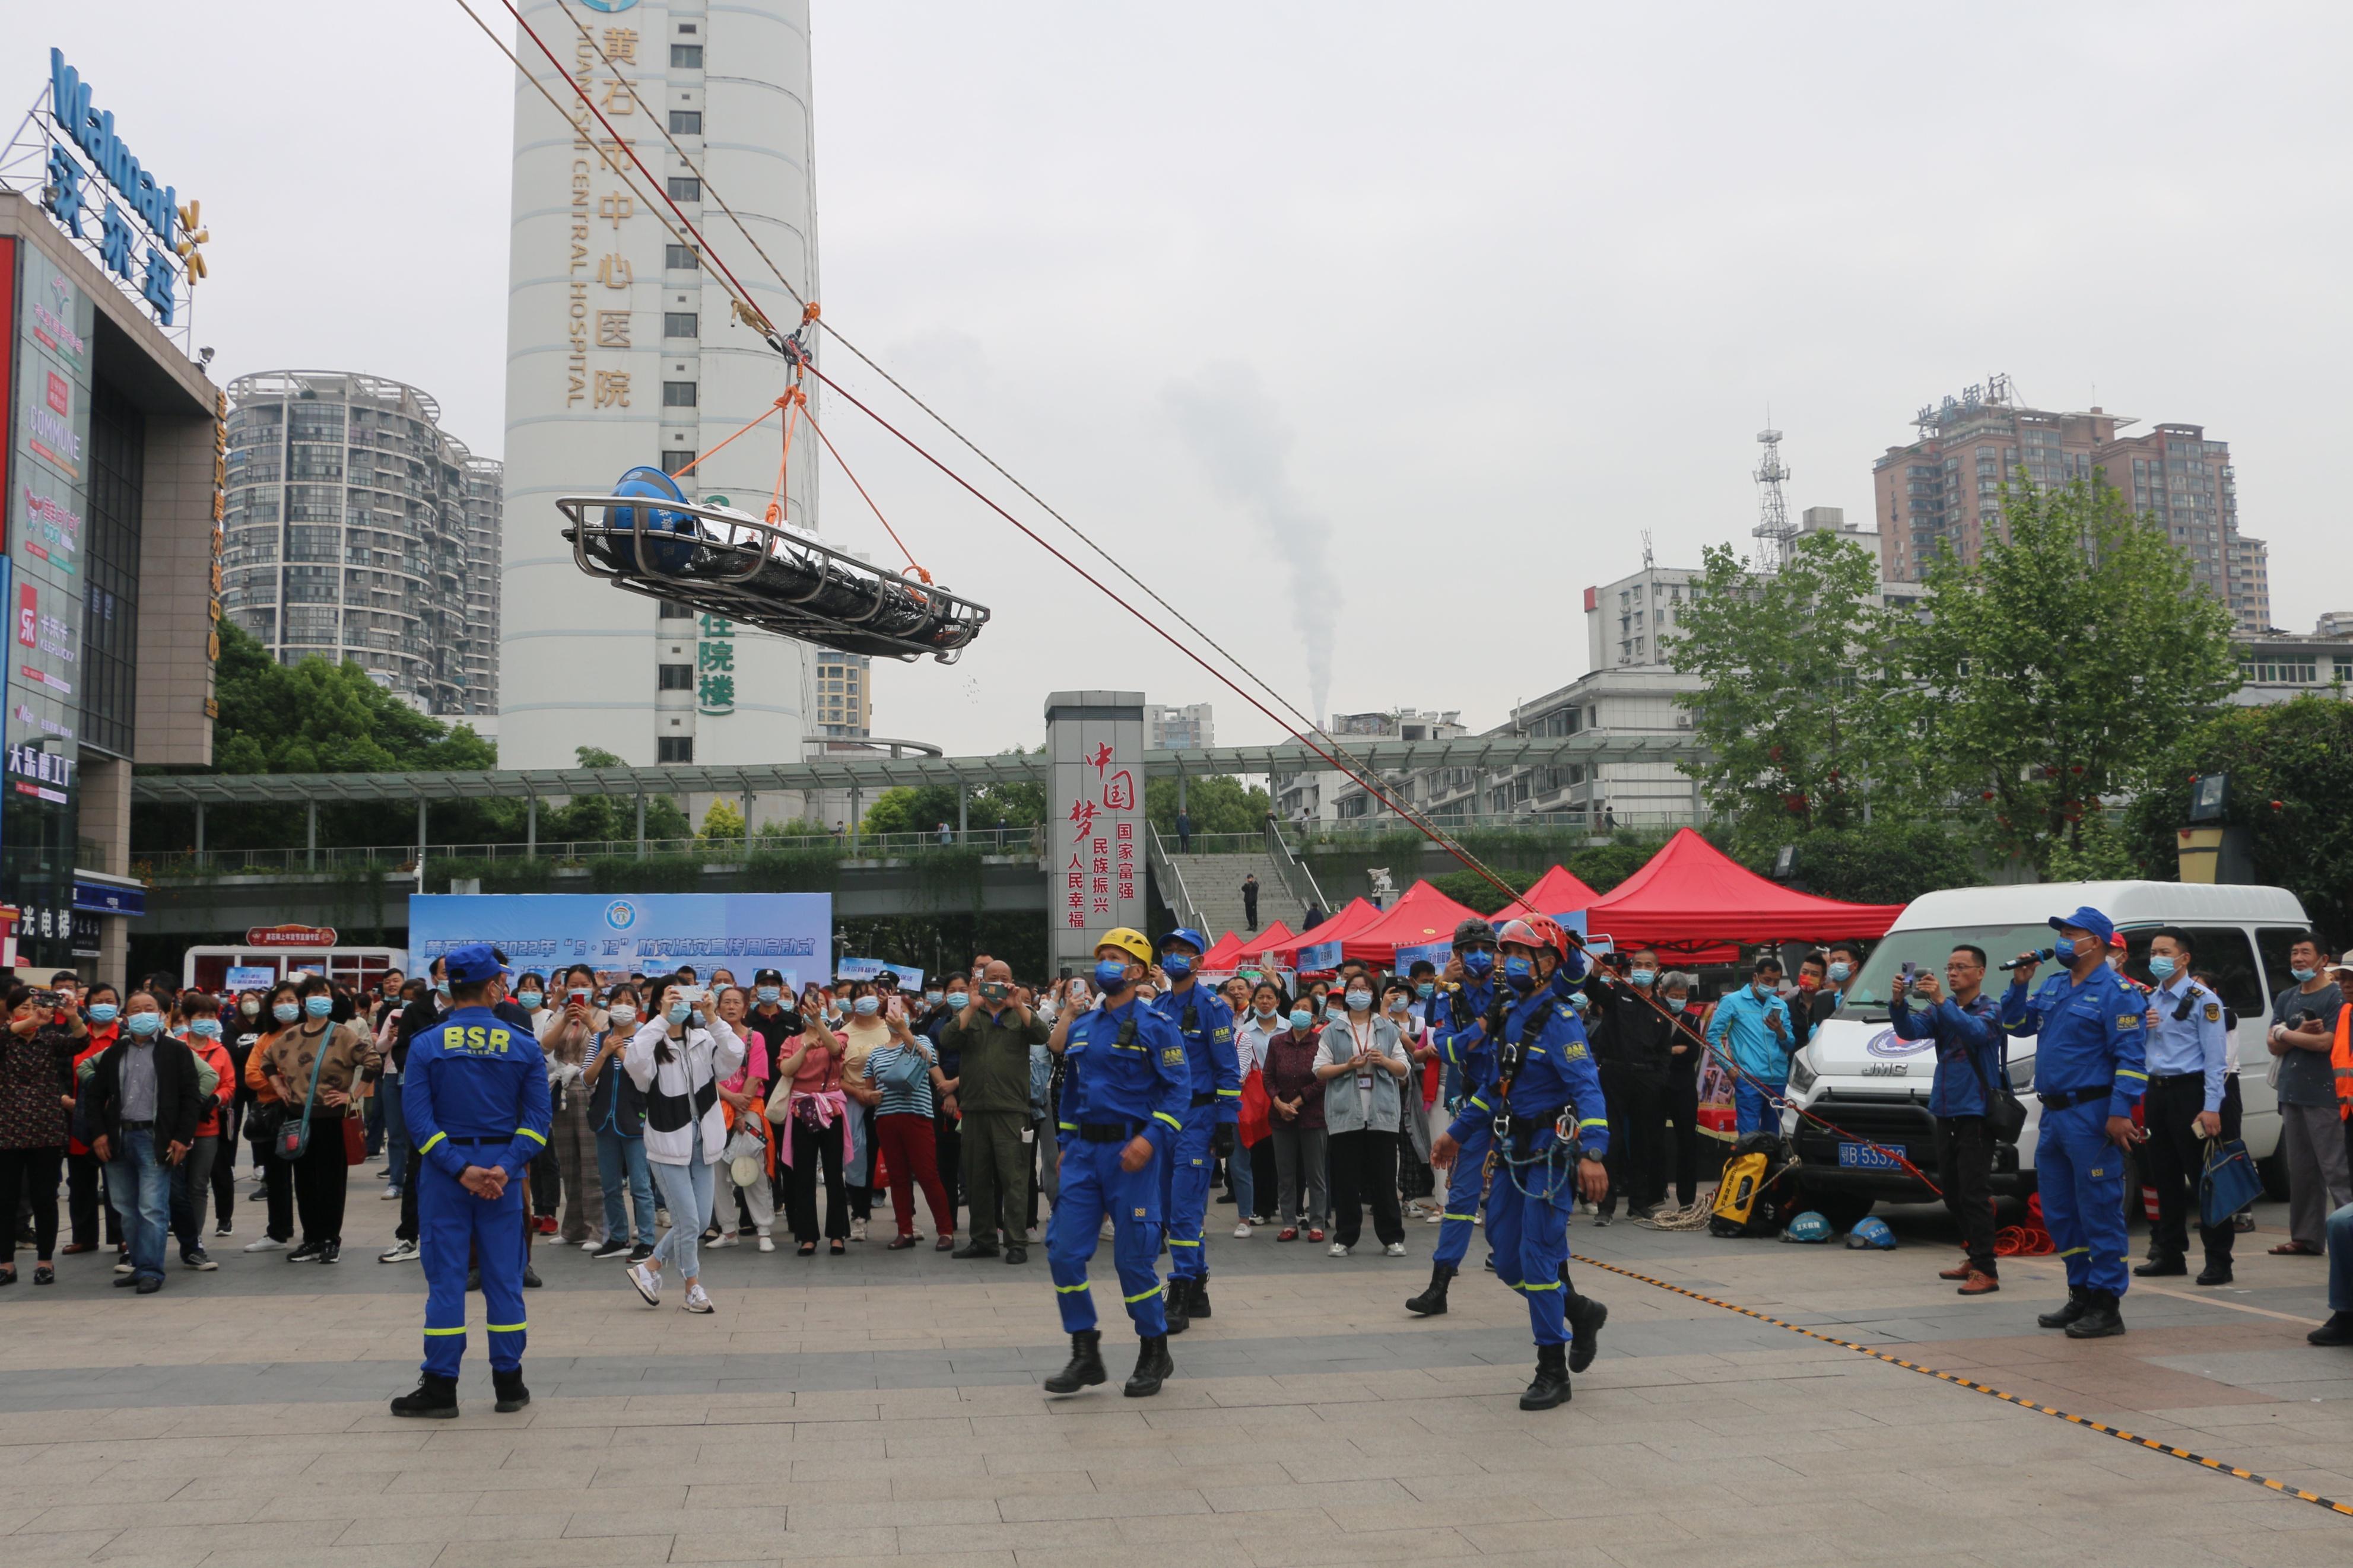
1856,1073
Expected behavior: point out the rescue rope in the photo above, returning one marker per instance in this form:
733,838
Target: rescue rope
869,499
1987,1389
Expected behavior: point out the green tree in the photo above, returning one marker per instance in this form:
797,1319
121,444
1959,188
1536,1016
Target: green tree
2291,770
724,820
2056,669
1217,803
922,809
1881,863
603,818
1796,713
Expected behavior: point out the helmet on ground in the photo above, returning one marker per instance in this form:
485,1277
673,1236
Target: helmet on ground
1808,1227
1200,943
1472,931
1871,1233
1533,932
1127,939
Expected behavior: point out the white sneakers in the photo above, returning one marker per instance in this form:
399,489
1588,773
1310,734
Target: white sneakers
591,1245
1393,1249
1243,1231
696,1301
647,1283
767,1242
1339,1249
402,1252
266,1244
724,1238
858,1230
1435,1216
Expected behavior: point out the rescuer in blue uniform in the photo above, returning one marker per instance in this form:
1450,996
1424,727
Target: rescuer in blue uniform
475,1094
1454,1016
1549,1149
1206,1024
2088,1074
1124,1093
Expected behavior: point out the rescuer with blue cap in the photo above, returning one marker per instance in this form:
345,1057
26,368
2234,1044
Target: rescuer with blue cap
1207,1023
475,1093
1550,1131
1126,1088
2088,1074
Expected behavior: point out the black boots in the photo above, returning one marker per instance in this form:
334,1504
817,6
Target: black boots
1152,1365
1175,1296
1431,1303
2216,1270
1551,1385
2338,1331
1085,1368
1198,1304
434,1396
512,1394
2100,1318
2160,1264
1586,1317
2079,1301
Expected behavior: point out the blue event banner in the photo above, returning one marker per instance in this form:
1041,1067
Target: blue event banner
615,935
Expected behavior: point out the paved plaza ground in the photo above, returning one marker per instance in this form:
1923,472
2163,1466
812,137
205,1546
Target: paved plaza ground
884,1407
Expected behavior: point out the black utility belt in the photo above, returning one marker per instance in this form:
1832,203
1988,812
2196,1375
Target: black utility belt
479,1142
2074,1097
1201,1100
1525,1126
136,1126
1109,1131
2198,1077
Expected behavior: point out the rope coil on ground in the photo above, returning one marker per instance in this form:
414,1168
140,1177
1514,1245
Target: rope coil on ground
1958,1380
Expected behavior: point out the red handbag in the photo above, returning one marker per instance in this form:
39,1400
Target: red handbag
354,1137
1258,1107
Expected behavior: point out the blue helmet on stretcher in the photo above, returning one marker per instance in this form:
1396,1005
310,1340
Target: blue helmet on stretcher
655,485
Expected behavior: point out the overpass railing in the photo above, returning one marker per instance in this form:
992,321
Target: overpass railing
297,859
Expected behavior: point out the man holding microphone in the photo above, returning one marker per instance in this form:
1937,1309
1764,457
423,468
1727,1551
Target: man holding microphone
2088,1074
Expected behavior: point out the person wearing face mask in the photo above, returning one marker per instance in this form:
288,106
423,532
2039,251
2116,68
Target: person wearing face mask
280,1006
1255,1183
1840,961
1415,1181
476,1093
1295,1122
316,1063
990,1038
1206,1025
1675,988
1549,1149
2313,1153
904,1075
1752,1028
530,996
941,1005
36,1093
1463,1049
1968,1044
1361,1060
678,1058
1127,1086
616,1115
192,1177
862,1032
2192,1101
1634,1043
139,1107
2088,1074
83,1168
567,1024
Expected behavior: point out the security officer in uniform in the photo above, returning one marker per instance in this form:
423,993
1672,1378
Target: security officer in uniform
475,1093
2189,1102
1126,1090
1454,1016
2088,1076
1551,1130
1207,1023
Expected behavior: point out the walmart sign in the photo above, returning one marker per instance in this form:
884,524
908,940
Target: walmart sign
104,156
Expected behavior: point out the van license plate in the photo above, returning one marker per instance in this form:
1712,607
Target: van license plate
1864,1157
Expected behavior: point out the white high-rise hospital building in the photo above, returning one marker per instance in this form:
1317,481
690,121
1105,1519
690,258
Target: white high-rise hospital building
621,350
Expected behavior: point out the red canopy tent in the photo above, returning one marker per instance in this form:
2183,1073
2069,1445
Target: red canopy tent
1255,944
1225,954
1694,900
1424,918
1355,916
1555,893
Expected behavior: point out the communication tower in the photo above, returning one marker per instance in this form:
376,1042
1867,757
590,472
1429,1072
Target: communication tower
1774,530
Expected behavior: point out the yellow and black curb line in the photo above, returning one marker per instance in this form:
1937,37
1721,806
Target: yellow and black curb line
1960,1382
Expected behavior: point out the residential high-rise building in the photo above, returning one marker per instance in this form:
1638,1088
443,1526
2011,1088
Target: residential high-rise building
845,694
1942,492
359,530
1185,729
622,350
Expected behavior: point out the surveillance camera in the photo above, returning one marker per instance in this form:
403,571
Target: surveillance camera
204,356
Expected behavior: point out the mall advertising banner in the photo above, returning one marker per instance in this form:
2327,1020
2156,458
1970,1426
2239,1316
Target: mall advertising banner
637,933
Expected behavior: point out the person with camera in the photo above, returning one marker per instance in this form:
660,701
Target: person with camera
991,1037
36,1095
567,1027
616,1114
1968,1064
678,1059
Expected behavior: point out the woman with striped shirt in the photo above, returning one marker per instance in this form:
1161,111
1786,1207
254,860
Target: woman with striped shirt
904,1073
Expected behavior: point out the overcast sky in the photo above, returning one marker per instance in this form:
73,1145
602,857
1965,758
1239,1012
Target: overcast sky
1394,325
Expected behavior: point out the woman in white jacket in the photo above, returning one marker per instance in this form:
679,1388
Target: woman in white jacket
676,1060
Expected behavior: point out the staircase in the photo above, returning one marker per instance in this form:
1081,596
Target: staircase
1214,884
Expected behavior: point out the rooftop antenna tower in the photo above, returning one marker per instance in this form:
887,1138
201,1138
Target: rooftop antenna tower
1648,559
1774,530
